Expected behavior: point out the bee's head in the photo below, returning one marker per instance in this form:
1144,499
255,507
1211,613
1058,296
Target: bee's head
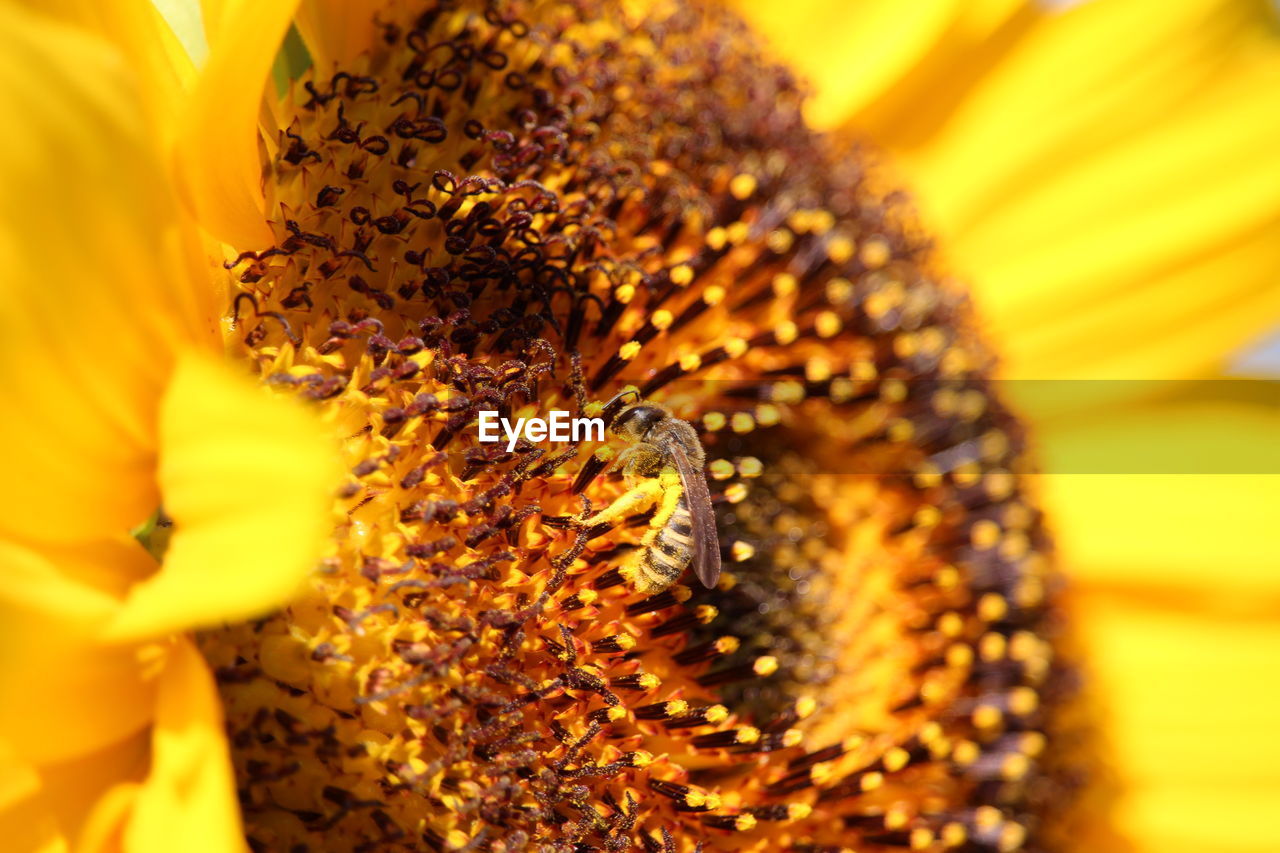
634,422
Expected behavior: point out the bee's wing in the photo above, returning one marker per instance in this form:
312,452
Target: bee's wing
706,543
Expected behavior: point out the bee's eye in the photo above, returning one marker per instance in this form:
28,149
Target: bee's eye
636,420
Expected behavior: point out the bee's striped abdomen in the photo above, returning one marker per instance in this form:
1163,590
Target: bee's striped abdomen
670,551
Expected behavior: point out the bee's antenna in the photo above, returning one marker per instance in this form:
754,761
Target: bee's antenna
609,411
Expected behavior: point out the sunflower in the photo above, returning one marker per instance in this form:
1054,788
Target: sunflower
520,207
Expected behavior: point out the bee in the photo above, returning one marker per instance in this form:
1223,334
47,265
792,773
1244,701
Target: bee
662,465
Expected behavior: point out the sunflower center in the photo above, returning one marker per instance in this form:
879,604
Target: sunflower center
522,208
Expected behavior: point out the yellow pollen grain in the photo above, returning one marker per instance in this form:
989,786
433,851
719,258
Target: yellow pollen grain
641,758
714,421
716,239
799,221
1032,744
1023,701
742,551
768,415
676,707
827,324
1015,545
738,232
690,363
874,253
736,347
999,484
744,822
742,422
840,249
839,291
900,430
992,607
717,713
624,293
750,466
1014,767
792,737
965,753
906,345
896,758
765,666
954,834
897,816
950,624
817,370
966,474
779,240
821,221
714,295
786,333
893,391
872,781
682,275
959,655
1012,837
662,319
649,681
805,706
629,350
720,469
987,817
991,647
682,593
921,838
984,534
727,644
863,371
841,390
987,716
784,284
932,341
799,811
742,186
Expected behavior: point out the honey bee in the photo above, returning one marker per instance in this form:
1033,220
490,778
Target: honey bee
663,465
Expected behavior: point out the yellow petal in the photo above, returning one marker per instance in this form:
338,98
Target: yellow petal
189,793
1192,703
1105,176
1201,537
335,32
248,479
92,795
62,693
160,65
187,22
96,284
1166,247
855,54
1107,179
217,153
26,821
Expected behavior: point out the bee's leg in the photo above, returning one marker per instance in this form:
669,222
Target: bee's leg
628,503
